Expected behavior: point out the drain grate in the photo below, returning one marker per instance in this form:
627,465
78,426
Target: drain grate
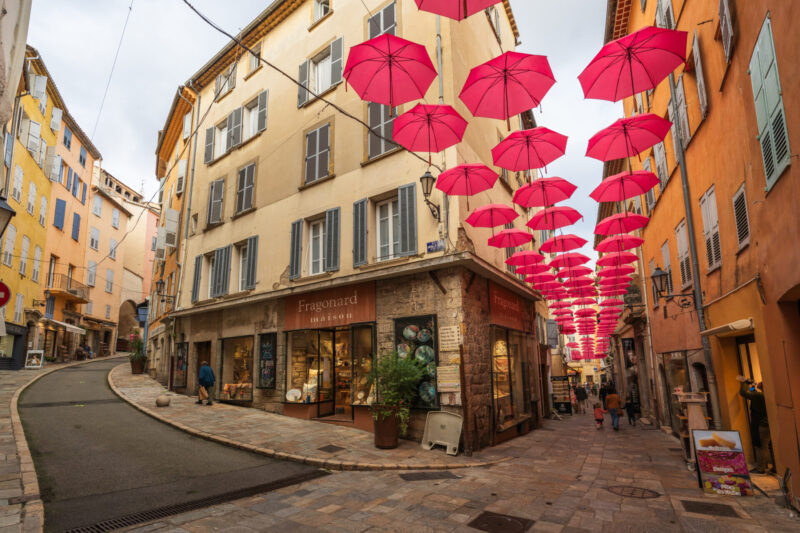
500,523
429,475
331,448
709,508
70,403
164,512
633,492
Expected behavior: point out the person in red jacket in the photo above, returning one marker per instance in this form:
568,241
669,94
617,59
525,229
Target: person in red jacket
598,414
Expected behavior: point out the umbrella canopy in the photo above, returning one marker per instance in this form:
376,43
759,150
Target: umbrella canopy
466,180
455,9
568,259
562,312
562,243
389,70
585,312
614,281
558,305
617,259
577,283
624,185
582,292
429,128
611,301
525,258
510,238
532,269
618,243
554,218
543,192
507,85
613,292
527,149
614,272
584,301
491,215
633,64
541,278
574,271
627,137
573,345
620,223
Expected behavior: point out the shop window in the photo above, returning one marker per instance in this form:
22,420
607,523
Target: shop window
7,347
416,337
236,373
308,376
510,396
181,364
267,347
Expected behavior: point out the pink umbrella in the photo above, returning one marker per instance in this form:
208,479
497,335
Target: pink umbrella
572,345
584,301
543,192
562,243
525,258
541,278
532,269
507,85
562,312
612,272
586,312
613,292
554,218
582,292
627,137
558,305
624,185
617,259
429,128
605,282
611,301
618,243
611,311
578,283
466,180
509,238
620,223
568,259
455,9
527,149
633,64
574,271
491,215
389,70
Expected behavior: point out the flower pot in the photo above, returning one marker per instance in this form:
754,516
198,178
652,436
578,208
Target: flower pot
387,432
137,366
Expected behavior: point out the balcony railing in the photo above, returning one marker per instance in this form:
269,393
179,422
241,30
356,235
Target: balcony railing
62,282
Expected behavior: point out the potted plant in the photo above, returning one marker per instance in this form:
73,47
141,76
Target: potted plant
396,380
137,357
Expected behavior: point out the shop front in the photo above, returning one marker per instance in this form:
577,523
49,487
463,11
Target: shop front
13,347
61,339
675,377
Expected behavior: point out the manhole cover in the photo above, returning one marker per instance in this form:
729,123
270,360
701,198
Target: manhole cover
331,448
427,476
633,492
500,523
713,509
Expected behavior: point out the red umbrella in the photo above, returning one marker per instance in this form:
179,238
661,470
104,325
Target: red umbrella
617,259
620,223
466,180
568,259
572,345
633,64
583,292
624,185
611,301
455,9
615,311
605,282
532,269
562,243
574,271
509,238
584,301
613,292
491,215
586,312
577,283
562,312
627,137
543,192
527,149
507,85
429,128
541,278
525,258
558,305
554,218
618,243
389,70
612,272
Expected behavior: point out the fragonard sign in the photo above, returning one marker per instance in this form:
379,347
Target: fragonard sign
506,308
332,307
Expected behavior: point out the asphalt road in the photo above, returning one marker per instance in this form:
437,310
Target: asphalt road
97,458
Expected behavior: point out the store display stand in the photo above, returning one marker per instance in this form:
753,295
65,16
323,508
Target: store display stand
692,405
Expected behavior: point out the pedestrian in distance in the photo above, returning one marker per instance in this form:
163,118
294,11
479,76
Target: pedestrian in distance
573,398
613,404
602,394
594,389
206,380
598,415
759,423
630,409
580,394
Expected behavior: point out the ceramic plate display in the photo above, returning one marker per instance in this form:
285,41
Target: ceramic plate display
427,392
425,354
294,395
424,335
411,332
403,349
431,369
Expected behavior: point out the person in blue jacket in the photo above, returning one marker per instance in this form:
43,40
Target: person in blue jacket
206,379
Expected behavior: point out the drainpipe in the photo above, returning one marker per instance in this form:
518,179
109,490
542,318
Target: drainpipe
698,295
650,355
187,209
445,197
181,223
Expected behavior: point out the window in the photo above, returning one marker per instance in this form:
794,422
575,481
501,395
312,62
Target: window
740,215
91,273
321,72
8,246
683,118
667,265
699,76
76,184
321,8
37,263
254,118
88,308
381,122
50,306
384,21
97,206
316,247
109,280
726,28
318,154
67,138
198,268
43,211
115,218
23,255
770,116
225,81
665,16
82,157
220,139
51,271
83,195
220,269
708,208
187,125
254,59
510,251
215,194
55,119
69,177
660,155
684,261
31,197
153,244
76,226
388,226
494,20
58,219
244,191
19,303
112,248
650,195
108,311
94,239
16,188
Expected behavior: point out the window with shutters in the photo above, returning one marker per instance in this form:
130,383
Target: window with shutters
181,177
650,195
250,119
23,255
43,210
67,138
97,206
510,251
773,135
244,189
321,72
699,76
187,125
215,196
383,21
58,218
665,15
108,311
242,253
31,197
115,218
16,188
316,247
8,245
82,157
667,266
360,230
112,249
708,208
254,58
225,81
18,308
726,28
88,309
741,218
387,223
109,280
381,126
493,14
318,161
37,263
94,238
321,8
91,273
660,155
55,119
220,143
684,262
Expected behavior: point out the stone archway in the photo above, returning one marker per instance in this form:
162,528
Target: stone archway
128,324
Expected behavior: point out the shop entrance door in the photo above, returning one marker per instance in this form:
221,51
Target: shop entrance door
327,352
750,368
203,351
342,374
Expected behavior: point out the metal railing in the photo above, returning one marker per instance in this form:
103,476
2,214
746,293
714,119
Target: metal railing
64,283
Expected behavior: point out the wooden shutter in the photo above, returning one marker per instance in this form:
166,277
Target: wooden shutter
55,119
332,233
652,267
740,215
650,195
295,249
225,271
198,268
673,129
263,96
708,208
76,228
240,190
336,61
374,115
660,155
683,114
232,79
311,156
667,265
407,206
252,263
215,193
302,90
702,96
374,25
235,127
683,254
360,233
61,207
726,28
209,154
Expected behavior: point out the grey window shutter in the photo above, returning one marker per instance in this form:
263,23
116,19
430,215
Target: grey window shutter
232,81
374,25
311,155
360,233
240,190
209,155
699,76
249,185
302,77
217,83
198,267
252,263
235,130
336,61
407,206
262,110
225,271
332,231
295,249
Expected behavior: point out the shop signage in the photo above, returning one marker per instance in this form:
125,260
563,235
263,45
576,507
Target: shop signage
506,308
448,378
561,399
333,307
721,465
449,339
435,246
34,359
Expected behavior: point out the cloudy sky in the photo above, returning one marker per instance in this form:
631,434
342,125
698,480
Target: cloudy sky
165,43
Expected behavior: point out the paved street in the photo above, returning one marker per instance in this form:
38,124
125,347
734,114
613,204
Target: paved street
98,459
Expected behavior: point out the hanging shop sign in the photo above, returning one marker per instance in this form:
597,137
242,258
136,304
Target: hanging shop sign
333,307
449,338
561,401
506,308
721,465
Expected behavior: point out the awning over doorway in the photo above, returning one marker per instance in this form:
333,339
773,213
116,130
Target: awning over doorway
732,328
69,327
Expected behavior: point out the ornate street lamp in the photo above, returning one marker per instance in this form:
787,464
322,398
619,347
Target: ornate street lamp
165,298
427,180
660,281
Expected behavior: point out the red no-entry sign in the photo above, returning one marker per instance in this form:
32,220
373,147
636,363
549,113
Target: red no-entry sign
5,294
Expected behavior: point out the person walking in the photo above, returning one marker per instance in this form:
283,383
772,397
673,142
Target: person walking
613,403
598,415
573,400
206,379
759,423
630,409
580,394
594,389
602,395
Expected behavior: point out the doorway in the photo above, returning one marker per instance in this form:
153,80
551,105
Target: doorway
203,352
750,368
701,378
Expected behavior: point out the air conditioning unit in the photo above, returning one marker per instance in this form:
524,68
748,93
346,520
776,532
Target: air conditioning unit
171,239
160,254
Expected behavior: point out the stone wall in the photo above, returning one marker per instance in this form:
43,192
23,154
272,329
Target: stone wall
476,360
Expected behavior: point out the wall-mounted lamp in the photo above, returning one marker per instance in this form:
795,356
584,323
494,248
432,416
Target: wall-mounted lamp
661,284
427,180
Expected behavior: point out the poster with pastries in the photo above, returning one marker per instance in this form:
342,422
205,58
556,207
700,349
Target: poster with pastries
721,464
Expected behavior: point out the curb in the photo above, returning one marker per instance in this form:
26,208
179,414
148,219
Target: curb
327,464
32,504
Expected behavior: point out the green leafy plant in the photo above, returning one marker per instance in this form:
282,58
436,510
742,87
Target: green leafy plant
396,379
137,350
